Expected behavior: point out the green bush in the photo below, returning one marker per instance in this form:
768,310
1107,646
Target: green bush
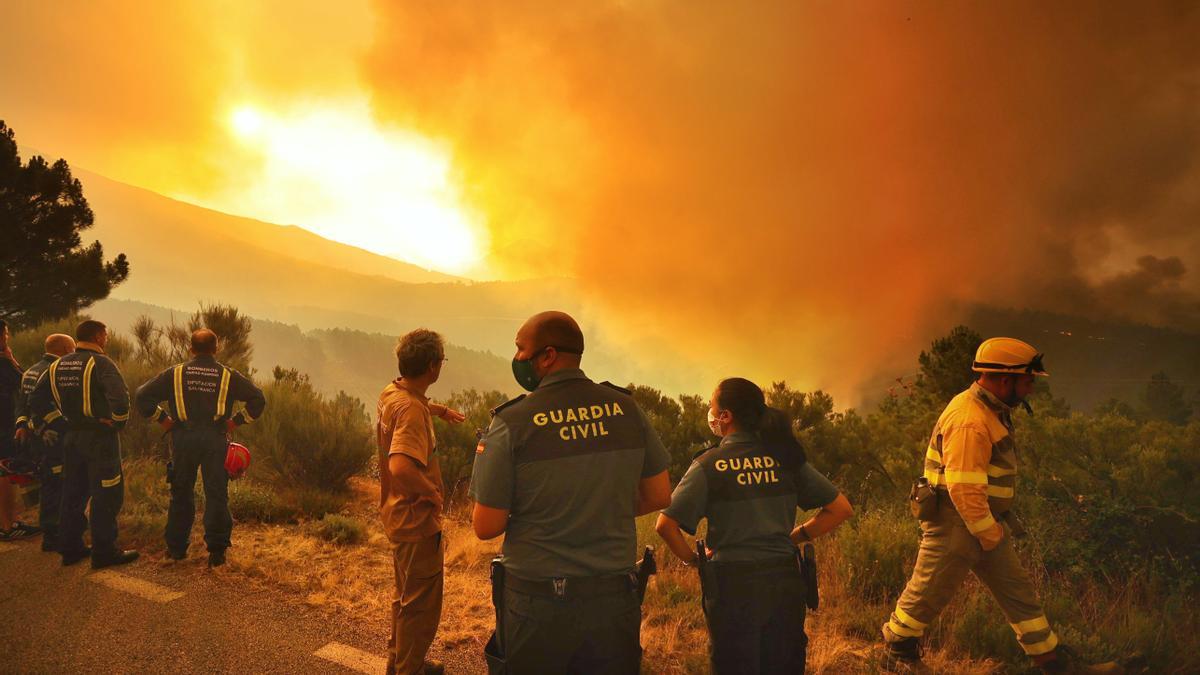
250,501
305,440
317,503
878,549
341,530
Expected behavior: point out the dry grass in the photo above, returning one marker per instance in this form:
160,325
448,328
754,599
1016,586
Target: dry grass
354,583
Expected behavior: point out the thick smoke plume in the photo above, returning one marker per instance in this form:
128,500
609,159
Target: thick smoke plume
803,190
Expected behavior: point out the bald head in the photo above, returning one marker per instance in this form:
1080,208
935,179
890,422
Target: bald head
553,329
204,341
59,344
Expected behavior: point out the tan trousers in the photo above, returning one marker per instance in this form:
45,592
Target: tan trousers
948,552
416,603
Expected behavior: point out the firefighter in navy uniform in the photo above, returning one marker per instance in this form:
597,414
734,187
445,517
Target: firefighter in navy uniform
86,389
48,454
563,472
200,396
749,487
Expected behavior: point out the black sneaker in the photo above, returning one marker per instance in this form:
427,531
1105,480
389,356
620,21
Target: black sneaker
72,557
216,558
21,531
114,558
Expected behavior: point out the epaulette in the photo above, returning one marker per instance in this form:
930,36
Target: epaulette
704,450
504,405
623,390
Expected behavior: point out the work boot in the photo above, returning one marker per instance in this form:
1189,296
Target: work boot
71,557
434,667
1064,660
904,657
114,558
216,558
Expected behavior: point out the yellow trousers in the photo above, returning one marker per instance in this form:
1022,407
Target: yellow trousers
948,552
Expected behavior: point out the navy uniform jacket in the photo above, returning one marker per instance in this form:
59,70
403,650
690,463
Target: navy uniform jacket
28,381
200,392
10,381
85,388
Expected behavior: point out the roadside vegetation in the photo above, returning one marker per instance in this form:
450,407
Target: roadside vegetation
1107,497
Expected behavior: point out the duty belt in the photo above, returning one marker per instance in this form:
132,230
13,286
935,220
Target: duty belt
573,588
764,565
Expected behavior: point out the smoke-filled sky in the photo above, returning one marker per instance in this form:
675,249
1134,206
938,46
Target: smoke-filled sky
787,189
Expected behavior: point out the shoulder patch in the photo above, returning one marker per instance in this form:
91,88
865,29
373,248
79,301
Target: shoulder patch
623,390
700,454
504,405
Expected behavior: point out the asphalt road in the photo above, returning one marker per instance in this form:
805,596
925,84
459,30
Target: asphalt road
151,617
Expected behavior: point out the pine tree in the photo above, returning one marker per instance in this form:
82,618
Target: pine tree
46,272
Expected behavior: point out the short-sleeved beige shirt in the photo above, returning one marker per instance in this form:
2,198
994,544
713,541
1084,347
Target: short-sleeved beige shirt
406,427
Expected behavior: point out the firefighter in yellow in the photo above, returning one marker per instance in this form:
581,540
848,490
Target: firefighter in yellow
971,466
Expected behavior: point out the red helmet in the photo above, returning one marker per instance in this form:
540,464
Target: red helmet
237,460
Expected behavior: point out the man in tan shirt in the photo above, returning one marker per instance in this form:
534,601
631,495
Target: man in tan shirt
410,499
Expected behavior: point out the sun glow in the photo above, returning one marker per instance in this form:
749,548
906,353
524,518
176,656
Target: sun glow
337,172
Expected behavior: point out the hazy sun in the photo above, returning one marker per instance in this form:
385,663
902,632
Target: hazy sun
335,171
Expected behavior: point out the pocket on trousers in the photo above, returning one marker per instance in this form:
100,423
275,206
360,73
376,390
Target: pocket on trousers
429,557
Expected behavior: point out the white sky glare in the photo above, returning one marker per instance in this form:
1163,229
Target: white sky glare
333,169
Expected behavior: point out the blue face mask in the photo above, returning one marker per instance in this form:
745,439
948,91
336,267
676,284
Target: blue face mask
524,372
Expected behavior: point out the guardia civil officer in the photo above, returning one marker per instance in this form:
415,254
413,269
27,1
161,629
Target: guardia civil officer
749,487
47,448
199,397
86,389
563,472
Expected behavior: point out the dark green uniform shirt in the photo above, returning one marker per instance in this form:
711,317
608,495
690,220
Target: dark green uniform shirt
749,497
566,461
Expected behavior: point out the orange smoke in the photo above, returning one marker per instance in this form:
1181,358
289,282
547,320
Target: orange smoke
805,190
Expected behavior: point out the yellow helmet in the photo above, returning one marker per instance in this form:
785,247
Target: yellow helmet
1008,355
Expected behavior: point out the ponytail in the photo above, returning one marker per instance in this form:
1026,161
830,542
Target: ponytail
746,402
775,430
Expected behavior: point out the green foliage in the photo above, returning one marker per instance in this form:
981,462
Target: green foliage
306,440
253,502
163,346
457,442
877,550
682,425
946,367
318,502
1166,401
46,272
341,530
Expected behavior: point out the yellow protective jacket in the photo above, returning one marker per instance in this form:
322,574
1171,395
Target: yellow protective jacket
972,456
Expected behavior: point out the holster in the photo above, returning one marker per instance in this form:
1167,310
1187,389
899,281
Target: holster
708,578
923,500
806,558
493,651
646,567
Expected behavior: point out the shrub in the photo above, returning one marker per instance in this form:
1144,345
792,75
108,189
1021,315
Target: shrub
340,529
249,501
878,549
306,440
318,503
